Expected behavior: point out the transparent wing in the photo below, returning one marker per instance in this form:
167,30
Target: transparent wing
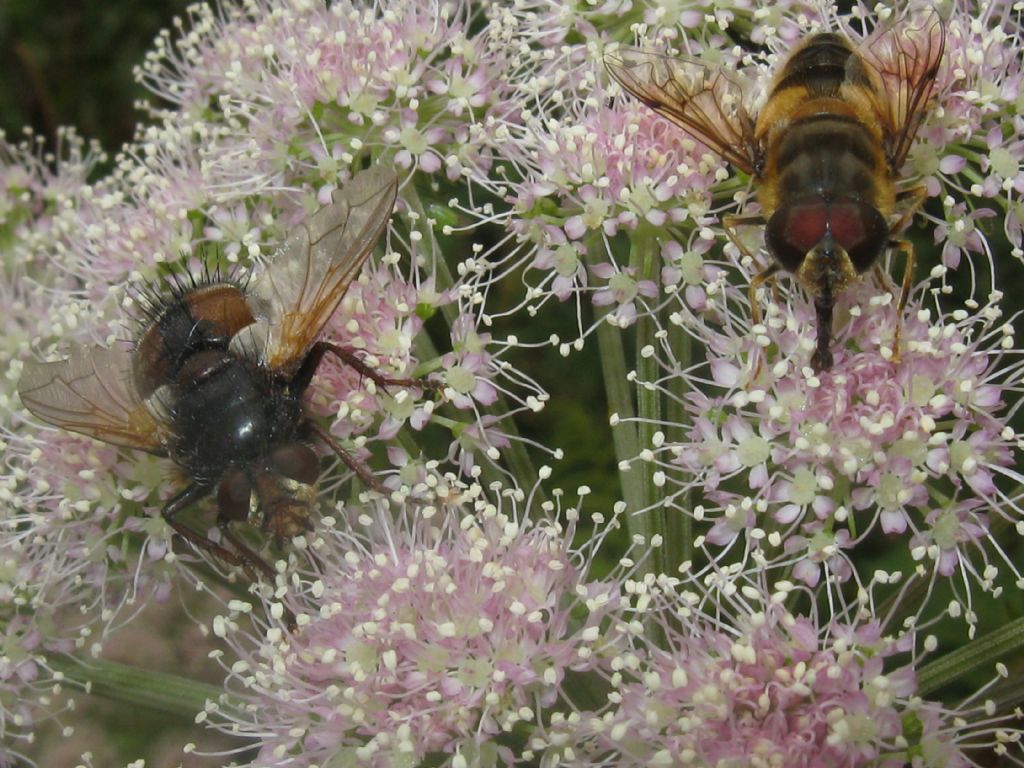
306,280
907,58
700,99
92,393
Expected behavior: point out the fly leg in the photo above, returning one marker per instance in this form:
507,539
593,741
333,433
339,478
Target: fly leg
732,223
186,498
767,274
911,200
250,560
359,468
350,461
907,248
755,308
354,361
244,558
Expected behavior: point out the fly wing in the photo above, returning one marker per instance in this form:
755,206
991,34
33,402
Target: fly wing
91,392
700,99
907,58
306,280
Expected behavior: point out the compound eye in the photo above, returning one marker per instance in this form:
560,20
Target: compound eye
794,230
233,495
296,461
862,232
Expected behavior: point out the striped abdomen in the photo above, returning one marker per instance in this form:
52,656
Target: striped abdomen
821,131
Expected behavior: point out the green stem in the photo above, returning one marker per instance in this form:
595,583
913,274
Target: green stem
985,650
620,403
629,435
612,354
678,523
169,694
648,519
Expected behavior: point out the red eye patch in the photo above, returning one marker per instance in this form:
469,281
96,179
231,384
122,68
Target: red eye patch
856,227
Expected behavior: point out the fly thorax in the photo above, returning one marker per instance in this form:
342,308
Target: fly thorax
219,413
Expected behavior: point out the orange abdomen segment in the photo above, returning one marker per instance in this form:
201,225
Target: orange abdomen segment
204,317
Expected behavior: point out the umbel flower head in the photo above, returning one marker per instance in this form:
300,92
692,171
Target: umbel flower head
739,680
180,201
434,633
409,77
169,208
914,449
49,585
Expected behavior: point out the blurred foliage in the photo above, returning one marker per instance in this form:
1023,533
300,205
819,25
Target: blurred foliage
71,64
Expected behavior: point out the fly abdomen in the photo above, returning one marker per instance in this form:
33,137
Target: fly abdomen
827,154
204,317
822,66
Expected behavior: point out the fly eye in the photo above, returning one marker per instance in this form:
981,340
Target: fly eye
861,230
233,495
297,462
794,230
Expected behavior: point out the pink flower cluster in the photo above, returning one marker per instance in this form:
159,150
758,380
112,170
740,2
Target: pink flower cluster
425,634
48,575
912,448
770,689
306,89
